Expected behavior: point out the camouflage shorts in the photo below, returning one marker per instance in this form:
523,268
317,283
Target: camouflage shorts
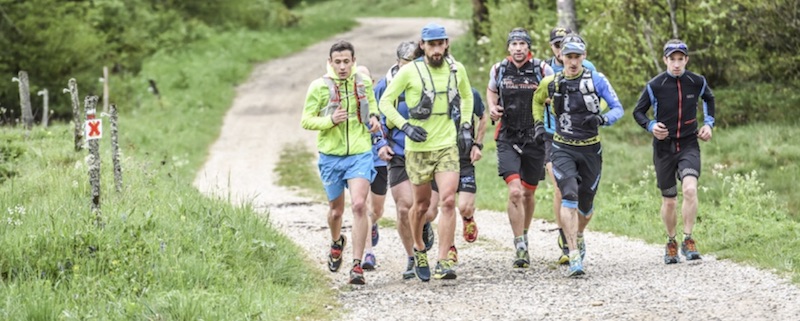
421,166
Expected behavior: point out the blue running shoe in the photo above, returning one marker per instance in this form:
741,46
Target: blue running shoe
369,262
689,250
375,236
575,265
428,236
421,266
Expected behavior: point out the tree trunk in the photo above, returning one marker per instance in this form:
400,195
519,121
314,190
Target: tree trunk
479,15
566,14
115,149
72,89
673,17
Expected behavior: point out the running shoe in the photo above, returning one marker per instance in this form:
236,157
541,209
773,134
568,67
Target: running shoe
689,250
582,247
444,270
564,258
409,272
470,230
369,262
452,254
671,253
357,275
575,266
522,260
421,267
375,236
335,256
428,236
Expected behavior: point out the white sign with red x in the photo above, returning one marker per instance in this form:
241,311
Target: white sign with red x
93,129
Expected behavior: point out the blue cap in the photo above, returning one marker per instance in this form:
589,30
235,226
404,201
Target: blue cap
433,31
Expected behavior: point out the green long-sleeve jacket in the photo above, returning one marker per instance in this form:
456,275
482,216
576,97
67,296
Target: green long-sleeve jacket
347,138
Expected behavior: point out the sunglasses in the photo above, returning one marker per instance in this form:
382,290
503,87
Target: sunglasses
557,45
676,46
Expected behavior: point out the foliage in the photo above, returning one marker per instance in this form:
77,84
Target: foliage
57,40
164,251
625,38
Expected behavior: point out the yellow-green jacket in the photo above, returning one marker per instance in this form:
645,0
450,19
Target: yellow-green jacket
347,138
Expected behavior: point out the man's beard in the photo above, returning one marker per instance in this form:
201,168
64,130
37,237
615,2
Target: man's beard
435,61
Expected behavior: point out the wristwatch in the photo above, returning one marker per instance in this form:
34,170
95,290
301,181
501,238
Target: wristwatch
479,145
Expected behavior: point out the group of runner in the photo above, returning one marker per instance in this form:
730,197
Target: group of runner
420,130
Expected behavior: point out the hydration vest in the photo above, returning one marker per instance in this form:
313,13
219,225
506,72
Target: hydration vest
424,108
335,100
519,89
569,114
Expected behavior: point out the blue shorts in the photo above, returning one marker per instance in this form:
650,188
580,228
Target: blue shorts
336,170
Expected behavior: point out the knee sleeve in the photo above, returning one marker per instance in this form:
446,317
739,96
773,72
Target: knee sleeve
585,203
670,192
569,189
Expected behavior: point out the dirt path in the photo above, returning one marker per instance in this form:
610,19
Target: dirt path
626,278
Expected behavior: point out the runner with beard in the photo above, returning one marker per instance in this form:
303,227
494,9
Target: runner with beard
433,86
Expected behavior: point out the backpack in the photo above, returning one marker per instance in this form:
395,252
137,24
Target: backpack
538,70
335,101
586,87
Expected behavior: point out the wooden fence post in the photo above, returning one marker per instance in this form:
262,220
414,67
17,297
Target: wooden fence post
72,89
25,99
45,107
105,89
94,132
115,149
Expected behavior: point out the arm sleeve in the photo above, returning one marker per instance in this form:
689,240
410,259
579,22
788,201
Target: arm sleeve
642,106
708,104
478,107
390,94
539,97
604,90
314,102
465,90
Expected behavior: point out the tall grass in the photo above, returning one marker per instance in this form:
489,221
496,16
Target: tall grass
164,251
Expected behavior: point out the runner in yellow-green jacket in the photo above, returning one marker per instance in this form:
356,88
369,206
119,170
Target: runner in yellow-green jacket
436,88
341,106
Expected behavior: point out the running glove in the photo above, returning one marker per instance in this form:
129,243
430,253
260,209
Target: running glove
595,120
538,133
415,133
465,137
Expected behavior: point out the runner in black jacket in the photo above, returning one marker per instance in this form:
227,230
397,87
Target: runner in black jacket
674,96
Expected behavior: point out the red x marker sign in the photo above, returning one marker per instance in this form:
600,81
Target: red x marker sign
93,129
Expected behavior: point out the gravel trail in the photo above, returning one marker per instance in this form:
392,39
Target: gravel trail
626,278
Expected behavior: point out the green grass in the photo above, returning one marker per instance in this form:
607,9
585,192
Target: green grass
296,169
164,251
458,9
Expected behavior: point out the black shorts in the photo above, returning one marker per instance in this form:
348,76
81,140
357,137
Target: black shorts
525,160
466,182
378,185
397,170
672,164
582,162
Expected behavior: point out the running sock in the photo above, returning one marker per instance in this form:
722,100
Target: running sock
368,252
580,234
671,238
339,241
687,236
356,262
519,242
467,218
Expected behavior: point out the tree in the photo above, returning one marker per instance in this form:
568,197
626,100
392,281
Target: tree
480,14
566,14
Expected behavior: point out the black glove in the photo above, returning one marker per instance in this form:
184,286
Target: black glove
538,133
595,120
465,137
415,133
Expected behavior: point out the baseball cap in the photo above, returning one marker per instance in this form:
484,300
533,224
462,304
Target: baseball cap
573,43
433,31
558,33
673,47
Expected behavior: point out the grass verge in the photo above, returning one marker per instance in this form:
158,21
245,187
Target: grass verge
164,251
